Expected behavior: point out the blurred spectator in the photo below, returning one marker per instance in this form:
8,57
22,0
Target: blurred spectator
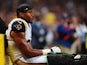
65,33
39,33
75,23
81,30
50,19
2,26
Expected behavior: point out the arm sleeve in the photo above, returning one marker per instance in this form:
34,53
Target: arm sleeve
18,26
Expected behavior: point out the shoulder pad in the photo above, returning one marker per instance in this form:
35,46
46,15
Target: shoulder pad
18,26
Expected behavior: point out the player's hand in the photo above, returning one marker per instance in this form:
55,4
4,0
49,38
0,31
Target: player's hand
55,49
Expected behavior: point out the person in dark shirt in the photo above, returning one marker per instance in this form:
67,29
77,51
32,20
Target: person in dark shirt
65,32
2,26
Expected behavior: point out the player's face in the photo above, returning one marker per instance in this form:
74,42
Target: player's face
29,16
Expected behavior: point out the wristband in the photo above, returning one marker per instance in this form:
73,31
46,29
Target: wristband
46,51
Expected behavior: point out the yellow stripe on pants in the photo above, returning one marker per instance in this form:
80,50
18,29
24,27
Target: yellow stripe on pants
2,50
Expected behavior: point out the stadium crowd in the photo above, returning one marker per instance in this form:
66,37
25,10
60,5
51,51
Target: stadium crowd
57,22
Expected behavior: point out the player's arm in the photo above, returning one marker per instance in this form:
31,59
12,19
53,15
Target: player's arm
23,45
18,35
26,47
